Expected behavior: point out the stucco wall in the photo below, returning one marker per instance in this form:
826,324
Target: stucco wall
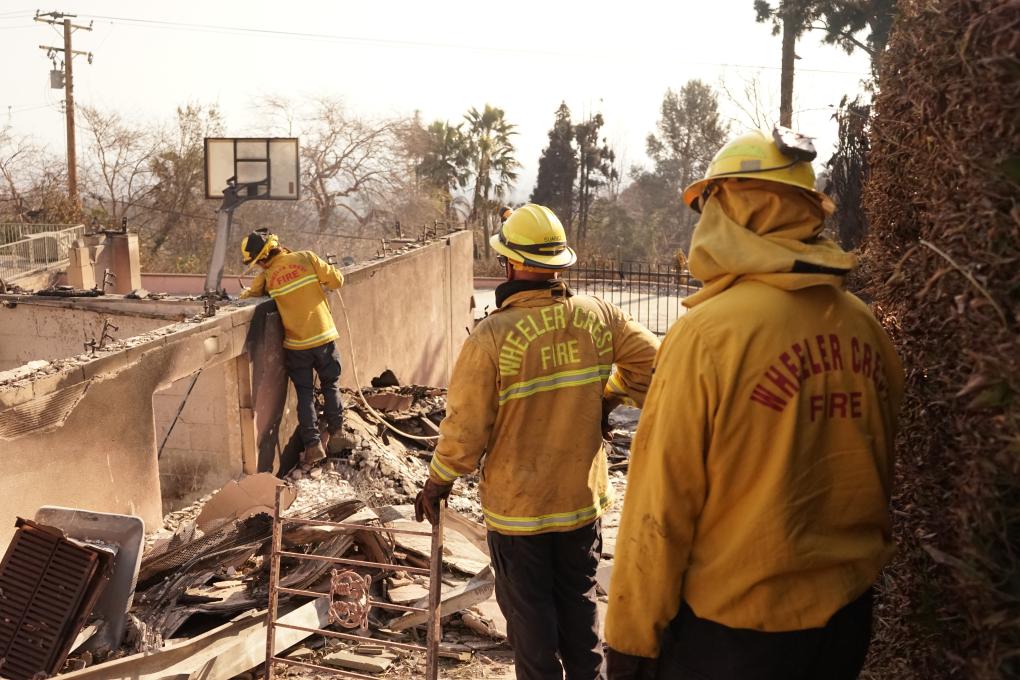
203,449
408,313
410,318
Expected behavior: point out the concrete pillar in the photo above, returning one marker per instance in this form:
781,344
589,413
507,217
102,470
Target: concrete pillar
125,262
81,270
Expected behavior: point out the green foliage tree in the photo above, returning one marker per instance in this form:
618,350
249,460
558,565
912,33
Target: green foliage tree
493,162
444,164
557,170
689,132
595,169
649,220
840,20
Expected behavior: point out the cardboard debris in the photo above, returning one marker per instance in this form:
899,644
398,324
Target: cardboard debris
243,498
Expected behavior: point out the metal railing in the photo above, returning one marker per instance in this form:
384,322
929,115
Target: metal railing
38,252
350,597
651,293
19,231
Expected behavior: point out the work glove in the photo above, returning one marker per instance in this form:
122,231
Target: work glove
607,407
620,666
426,503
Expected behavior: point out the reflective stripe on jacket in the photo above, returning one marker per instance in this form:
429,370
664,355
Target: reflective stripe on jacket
527,393
295,281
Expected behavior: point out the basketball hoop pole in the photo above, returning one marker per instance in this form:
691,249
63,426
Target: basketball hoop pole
224,219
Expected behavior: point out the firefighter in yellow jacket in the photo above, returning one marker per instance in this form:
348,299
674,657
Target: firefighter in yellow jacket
756,515
295,281
529,391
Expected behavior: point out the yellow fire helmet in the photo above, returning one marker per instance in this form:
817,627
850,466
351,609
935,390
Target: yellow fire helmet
786,158
534,236
256,245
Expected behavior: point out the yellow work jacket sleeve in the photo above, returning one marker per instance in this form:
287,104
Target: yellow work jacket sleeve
258,287
471,405
329,276
634,348
666,491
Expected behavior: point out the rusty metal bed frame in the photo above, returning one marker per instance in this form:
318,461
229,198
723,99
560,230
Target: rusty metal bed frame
354,614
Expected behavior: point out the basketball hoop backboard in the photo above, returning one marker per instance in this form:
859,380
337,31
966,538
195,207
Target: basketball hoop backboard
263,167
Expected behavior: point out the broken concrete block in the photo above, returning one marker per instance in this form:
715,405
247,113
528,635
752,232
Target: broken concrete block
390,401
407,594
477,590
486,619
359,662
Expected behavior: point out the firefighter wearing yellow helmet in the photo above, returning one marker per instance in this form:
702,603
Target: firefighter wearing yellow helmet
295,281
756,517
530,390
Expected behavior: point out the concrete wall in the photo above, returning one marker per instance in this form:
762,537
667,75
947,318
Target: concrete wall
202,449
50,330
87,436
410,318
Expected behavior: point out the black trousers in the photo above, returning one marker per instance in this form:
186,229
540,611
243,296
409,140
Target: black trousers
302,365
545,586
699,649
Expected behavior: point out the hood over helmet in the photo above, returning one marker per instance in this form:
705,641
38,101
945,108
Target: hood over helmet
764,231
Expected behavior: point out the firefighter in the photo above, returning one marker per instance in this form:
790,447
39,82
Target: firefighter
295,281
756,514
528,391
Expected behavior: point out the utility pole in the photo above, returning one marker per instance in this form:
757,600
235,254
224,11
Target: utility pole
58,18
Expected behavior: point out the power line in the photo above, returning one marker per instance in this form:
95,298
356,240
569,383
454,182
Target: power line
209,218
389,42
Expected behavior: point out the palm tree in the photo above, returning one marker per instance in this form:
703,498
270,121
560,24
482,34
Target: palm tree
445,163
492,161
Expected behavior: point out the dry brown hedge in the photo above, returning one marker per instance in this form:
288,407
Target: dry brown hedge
942,263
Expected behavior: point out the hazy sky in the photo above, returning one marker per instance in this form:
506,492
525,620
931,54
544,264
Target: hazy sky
386,58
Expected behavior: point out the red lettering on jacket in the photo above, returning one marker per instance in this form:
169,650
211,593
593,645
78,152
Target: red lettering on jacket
799,353
763,396
815,368
784,378
835,405
779,379
786,360
820,339
837,358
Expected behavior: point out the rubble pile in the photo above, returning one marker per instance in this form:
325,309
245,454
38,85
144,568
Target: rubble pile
203,579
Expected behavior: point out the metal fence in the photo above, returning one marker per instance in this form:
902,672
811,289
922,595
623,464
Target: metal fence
19,231
37,252
649,292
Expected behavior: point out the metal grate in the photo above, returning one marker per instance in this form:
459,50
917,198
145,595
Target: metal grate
651,293
44,581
